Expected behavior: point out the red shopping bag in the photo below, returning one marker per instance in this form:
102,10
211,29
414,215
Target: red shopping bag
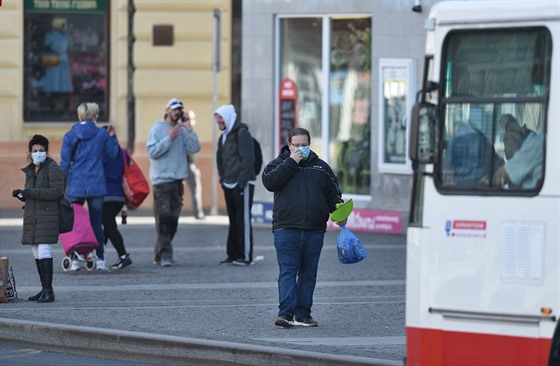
135,185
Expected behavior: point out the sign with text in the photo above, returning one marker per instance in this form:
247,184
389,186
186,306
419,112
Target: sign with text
261,212
372,221
59,6
288,110
465,228
361,220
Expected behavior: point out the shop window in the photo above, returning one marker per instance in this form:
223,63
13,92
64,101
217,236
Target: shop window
66,59
332,74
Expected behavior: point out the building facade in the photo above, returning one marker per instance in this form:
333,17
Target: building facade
346,71
56,54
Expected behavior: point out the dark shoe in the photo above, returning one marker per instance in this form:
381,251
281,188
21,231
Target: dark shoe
306,321
228,260
166,261
46,296
242,262
123,262
283,321
35,297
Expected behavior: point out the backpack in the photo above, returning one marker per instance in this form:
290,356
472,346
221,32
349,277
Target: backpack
258,153
135,185
258,156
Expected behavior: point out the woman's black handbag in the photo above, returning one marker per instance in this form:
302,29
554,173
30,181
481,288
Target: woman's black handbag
66,213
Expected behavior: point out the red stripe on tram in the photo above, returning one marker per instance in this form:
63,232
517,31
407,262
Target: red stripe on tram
432,347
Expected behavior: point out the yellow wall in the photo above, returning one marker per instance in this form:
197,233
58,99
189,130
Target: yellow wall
162,72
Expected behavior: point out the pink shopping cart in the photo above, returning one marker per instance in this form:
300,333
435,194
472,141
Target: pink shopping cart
80,243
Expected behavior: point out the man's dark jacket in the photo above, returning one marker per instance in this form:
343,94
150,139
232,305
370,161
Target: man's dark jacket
304,194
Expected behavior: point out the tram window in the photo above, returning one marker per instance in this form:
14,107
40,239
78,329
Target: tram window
496,90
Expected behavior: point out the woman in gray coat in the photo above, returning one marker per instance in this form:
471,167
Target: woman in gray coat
44,185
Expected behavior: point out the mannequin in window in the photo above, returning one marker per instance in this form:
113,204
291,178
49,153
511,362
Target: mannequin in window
57,81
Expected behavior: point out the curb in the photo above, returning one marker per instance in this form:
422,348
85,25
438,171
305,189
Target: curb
137,346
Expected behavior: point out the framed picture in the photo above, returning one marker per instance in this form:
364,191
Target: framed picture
396,98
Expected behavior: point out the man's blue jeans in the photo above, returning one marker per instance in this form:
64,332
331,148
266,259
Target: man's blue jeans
298,253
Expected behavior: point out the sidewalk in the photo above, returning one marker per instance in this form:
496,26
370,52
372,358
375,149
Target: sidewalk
200,313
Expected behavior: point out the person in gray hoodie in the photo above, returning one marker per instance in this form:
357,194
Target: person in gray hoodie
169,142
235,160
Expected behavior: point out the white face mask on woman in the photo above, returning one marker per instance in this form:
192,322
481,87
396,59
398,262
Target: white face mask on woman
39,157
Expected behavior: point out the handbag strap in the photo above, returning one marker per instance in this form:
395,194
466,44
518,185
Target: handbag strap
74,149
124,154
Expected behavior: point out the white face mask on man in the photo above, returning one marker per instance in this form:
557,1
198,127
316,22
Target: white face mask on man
38,157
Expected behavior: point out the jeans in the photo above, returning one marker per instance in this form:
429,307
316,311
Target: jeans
95,210
168,200
298,253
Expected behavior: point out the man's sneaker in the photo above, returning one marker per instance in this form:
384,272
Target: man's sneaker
123,262
75,265
166,262
228,260
306,321
101,265
283,321
242,262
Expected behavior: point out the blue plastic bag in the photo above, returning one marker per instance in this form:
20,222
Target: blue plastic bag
350,248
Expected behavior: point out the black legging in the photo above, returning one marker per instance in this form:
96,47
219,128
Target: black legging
110,211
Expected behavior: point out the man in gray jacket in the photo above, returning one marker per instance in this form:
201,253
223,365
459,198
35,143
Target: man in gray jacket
169,141
236,161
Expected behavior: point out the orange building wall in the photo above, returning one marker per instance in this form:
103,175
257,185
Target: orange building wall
13,158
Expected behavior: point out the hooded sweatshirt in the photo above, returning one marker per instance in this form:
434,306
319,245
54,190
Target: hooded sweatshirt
228,114
236,153
83,168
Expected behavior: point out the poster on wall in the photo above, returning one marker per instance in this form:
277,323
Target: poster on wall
396,97
288,112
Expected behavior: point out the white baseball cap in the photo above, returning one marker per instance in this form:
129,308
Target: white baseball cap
174,103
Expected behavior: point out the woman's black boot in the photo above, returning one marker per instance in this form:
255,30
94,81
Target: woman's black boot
40,271
47,295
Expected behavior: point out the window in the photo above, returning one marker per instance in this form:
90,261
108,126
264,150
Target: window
495,88
65,59
329,60
396,94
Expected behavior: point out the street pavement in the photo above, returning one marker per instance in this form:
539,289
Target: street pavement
200,313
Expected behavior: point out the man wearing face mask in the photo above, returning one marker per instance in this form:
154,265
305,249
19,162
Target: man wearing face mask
305,193
44,185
